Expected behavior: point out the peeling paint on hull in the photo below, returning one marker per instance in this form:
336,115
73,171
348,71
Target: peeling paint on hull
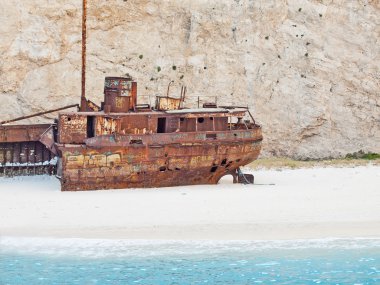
147,166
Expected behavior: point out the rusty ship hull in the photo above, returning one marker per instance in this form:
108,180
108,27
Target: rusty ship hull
189,159
125,145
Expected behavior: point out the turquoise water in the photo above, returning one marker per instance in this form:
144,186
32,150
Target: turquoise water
79,261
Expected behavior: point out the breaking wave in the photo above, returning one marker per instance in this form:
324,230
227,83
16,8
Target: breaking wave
103,248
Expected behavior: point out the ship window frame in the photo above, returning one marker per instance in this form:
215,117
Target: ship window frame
136,141
161,125
90,126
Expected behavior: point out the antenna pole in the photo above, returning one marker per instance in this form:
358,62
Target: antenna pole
83,101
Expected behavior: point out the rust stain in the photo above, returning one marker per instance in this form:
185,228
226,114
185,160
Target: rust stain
167,103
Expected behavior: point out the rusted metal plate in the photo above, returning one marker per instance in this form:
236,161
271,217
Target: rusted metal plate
20,133
72,128
167,103
106,126
91,106
48,140
118,104
220,123
245,178
140,124
204,124
166,138
187,125
120,93
124,84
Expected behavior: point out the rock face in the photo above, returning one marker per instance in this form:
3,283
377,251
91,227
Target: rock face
309,70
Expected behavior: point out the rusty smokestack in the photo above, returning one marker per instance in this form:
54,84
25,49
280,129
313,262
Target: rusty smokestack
83,101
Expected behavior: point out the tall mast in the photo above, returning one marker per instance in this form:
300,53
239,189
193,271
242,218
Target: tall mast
83,101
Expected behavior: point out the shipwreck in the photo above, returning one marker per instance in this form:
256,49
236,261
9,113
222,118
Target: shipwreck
122,143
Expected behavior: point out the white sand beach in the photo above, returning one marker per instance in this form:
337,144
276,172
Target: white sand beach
284,204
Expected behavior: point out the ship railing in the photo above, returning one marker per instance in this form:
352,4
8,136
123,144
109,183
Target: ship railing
245,125
191,101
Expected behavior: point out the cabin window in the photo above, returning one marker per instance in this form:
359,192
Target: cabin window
136,142
161,125
90,127
201,120
211,136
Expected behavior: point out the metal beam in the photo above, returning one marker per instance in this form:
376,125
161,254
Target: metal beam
38,114
83,102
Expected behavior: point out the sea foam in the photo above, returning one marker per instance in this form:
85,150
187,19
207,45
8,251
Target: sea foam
102,248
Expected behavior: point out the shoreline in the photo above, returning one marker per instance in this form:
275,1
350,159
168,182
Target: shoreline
314,203
220,232
92,249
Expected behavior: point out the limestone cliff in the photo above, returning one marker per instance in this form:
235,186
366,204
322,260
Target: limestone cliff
309,70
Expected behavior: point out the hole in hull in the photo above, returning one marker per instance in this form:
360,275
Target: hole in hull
226,179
